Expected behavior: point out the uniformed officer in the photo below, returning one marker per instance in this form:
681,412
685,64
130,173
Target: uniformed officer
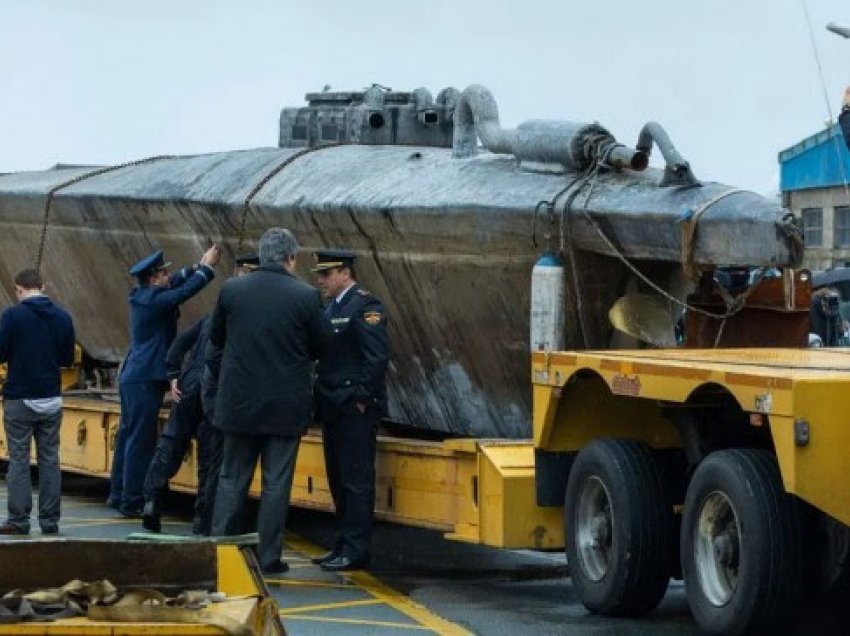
350,401
190,417
142,382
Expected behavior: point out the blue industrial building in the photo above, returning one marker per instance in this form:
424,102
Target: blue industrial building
814,174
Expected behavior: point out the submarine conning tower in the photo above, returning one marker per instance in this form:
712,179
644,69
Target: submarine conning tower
374,116
464,121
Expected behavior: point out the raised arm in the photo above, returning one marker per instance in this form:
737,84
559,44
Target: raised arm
184,287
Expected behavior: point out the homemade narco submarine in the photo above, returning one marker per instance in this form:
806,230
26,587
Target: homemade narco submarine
448,213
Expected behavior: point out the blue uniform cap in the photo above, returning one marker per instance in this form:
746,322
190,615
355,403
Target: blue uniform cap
329,259
149,264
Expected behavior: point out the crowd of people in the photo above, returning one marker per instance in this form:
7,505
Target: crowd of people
245,382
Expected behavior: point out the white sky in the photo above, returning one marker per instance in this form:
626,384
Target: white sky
733,81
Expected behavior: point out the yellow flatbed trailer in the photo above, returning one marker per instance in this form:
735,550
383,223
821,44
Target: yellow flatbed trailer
727,467
801,397
633,468
479,491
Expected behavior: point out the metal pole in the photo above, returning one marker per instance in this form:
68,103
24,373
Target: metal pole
838,30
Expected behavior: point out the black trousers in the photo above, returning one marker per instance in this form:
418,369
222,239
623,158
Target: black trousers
185,422
349,441
240,454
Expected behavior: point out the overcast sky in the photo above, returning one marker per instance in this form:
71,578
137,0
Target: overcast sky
733,81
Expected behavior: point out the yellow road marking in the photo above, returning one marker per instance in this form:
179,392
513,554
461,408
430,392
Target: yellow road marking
85,523
293,566
357,621
303,583
83,504
323,606
406,606
388,595
79,522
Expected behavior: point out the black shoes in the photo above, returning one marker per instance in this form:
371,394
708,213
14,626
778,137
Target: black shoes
198,526
150,517
327,556
130,513
343,564
10,528
276,568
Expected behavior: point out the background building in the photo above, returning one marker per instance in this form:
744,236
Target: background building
813,179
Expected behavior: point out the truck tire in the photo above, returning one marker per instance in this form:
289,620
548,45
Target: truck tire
618,528
740,558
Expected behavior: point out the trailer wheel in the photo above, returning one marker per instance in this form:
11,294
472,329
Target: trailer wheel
618,528
740,559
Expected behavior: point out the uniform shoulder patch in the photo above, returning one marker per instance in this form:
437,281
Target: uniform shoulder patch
372,317
363,292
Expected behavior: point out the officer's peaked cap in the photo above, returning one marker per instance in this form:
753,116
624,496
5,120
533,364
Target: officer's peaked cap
149,264
329,259
248,261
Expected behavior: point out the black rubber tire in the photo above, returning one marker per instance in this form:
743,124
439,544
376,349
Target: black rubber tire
767,589
641,532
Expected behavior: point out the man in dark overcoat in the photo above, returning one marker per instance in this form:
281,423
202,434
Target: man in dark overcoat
267,327
351,399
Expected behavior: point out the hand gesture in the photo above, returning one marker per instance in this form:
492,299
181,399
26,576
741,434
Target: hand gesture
176,393
211,256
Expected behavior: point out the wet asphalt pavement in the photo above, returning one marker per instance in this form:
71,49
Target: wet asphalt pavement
417,581
491,591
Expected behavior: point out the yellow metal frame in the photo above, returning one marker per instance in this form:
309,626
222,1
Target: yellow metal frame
582,395
237,578
477,491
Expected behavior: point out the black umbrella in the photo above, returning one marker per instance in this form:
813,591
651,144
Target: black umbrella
831,277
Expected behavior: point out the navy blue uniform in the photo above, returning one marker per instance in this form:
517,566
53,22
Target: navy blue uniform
185,363
143,380
351,371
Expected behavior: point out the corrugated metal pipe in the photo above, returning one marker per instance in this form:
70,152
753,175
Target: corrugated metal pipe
447,99
677,171
573,145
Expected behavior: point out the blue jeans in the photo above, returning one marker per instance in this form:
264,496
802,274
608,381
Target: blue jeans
22,424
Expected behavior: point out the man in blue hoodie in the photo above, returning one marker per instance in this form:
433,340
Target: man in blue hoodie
143,381
36,340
